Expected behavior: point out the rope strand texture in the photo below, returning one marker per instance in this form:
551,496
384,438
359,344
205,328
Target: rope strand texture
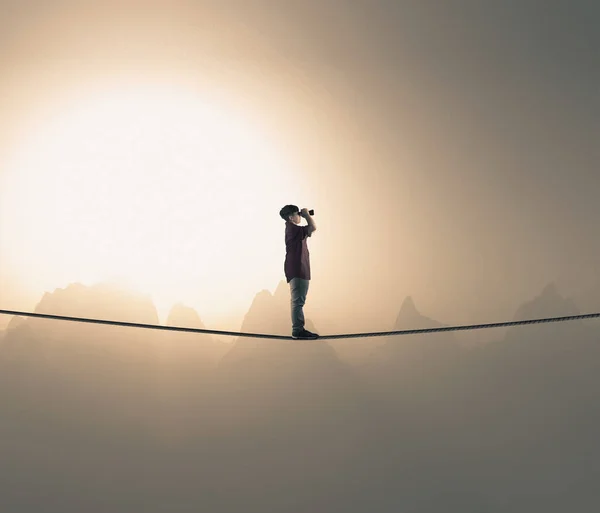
325,337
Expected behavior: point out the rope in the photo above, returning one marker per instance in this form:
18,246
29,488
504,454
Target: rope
326,337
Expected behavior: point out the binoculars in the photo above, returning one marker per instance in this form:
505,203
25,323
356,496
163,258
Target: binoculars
310,212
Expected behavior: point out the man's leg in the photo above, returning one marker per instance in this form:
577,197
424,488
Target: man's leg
299,290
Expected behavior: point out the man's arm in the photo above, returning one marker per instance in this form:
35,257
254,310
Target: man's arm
309,220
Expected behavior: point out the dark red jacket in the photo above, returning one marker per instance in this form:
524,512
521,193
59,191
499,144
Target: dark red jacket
297,257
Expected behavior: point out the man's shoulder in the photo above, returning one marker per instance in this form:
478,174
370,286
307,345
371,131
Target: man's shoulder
292,226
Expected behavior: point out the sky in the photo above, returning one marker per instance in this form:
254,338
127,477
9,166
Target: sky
447,148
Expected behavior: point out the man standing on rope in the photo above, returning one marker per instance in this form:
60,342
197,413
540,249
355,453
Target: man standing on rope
297,264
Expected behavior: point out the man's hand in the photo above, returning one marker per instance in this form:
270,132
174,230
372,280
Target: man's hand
304,212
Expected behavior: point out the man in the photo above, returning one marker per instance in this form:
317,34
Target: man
297,264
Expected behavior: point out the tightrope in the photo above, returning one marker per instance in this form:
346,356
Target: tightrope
324,337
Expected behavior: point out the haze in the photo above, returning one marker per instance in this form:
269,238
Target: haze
450,152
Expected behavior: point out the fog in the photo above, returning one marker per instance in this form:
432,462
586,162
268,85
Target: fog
450,152
108,418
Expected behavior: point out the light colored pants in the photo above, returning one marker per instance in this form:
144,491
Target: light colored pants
298,289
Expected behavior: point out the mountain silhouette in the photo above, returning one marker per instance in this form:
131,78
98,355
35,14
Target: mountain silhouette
135,373
107,301
92,368
64,341
268,314
192,348
588,298
15,322
406,351
288,413
410,316
549,303
99,301
267,384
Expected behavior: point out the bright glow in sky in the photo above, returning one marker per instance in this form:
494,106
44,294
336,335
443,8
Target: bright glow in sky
450,156
174,194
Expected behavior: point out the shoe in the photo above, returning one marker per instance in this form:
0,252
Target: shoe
305,335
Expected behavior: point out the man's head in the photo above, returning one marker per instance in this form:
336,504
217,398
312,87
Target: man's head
291,213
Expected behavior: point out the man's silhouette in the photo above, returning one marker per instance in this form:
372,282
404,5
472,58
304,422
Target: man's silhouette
297,264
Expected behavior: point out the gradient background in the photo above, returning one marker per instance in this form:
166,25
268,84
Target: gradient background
448,148
450,152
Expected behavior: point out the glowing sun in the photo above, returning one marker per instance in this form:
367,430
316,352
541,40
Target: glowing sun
171,193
